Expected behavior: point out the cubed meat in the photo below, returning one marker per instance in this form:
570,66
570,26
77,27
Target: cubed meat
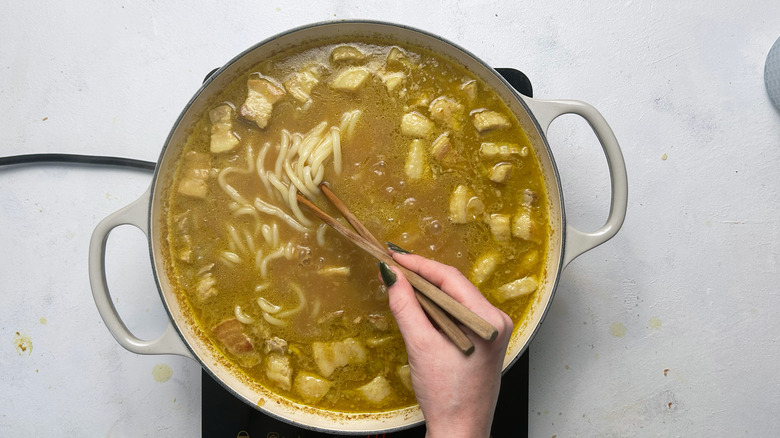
261,96
516,289
503,151
415,164
377,390
393,81
500,226
222,137
404,373
301,84
230,333
196,172
331,355
499,172
278,370
447,111
486,121
485,266
275,344
206,287
347,54
523,226
350,79
469,89
529,198
379,321
339,271
310,386
465,206
441,147
416,125
396,58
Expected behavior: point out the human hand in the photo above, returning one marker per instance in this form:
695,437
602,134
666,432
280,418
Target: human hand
457,393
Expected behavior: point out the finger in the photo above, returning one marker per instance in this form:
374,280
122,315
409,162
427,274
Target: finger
409,316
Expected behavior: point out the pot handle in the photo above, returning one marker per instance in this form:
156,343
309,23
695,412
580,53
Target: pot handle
578,242
135,214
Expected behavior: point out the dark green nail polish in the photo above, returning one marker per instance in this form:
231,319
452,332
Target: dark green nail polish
388,276
395,248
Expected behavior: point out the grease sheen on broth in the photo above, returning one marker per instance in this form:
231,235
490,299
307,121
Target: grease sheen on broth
430,159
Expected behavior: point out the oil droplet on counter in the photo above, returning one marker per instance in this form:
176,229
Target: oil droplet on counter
43,320
23,344
162,372
654,323
664,157
617,330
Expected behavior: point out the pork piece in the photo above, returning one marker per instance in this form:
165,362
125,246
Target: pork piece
380,322
415,164
441,147
516,289
484,267
275,344
500,226
377,390
278,370
469,88
503,151
486,121
196,171
499,172
310,386
347,54
404,373
331,355
524,227
393,81
222,137
230,333
465,206
206,287
396,58
416,125
330,317
350,79
447,111
182,221
339,271
303,82
529,198
261,96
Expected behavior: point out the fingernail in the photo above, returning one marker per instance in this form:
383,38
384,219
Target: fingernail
395,248
388,276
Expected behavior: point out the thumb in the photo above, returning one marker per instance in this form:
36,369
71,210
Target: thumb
403,302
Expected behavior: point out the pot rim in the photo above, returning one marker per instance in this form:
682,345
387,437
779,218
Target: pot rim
553,277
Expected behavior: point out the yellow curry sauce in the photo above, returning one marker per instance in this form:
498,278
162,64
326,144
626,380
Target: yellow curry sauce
430,159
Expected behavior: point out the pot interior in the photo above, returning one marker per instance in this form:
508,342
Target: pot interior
216,364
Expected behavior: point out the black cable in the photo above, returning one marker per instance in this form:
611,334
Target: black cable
77,159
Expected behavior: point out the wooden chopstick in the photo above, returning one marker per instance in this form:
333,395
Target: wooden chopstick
457,310
442,320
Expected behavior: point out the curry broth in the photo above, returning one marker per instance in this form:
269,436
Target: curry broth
342,295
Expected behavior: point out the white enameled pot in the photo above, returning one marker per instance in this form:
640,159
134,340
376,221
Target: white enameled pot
147,213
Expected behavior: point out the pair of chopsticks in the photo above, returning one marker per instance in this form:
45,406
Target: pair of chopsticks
437,304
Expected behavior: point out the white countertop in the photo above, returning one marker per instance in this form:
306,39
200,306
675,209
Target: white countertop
669,329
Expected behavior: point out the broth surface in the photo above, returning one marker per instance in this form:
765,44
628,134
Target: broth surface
423,153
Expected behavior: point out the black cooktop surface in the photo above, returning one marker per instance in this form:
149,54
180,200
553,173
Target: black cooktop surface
224,415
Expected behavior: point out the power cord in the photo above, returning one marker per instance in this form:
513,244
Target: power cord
77,159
